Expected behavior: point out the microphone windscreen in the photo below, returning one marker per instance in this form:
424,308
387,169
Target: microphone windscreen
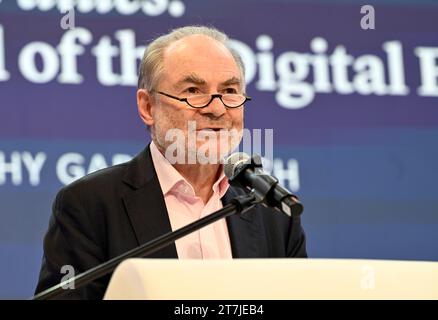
233,161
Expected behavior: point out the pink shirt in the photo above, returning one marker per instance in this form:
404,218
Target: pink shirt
184,207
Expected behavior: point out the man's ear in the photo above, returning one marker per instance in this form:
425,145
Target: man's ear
144,106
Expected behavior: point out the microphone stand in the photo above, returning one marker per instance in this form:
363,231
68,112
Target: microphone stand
238,205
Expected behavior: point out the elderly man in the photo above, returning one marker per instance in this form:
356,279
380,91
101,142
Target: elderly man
187,77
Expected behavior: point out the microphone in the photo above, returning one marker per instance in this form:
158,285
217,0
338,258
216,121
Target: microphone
247,172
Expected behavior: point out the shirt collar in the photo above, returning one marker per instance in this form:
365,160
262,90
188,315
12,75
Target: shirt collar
169,177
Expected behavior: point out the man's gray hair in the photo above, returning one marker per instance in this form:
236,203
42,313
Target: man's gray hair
151,67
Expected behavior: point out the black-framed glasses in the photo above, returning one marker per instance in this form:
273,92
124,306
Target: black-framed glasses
230,100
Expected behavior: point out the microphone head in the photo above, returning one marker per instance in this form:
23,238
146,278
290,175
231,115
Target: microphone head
234,161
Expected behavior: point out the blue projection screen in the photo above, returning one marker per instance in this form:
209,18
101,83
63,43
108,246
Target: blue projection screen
353,110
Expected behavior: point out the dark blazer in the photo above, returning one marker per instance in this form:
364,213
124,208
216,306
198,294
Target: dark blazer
111,211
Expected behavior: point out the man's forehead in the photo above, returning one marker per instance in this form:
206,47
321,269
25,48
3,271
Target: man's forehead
193,78
198,50
200,60
196,43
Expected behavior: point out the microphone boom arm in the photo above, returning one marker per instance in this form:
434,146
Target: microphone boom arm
238,205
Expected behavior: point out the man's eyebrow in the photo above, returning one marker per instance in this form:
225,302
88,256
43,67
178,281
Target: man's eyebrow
232,81
191,78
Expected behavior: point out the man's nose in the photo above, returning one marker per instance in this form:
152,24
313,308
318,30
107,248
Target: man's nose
216,108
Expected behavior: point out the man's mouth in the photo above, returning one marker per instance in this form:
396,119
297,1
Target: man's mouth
212,129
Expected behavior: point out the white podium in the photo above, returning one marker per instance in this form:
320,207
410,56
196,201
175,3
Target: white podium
255,279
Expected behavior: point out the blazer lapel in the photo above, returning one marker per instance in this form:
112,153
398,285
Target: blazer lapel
145,204
243,229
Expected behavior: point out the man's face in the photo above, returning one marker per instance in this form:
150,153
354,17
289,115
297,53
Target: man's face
198,65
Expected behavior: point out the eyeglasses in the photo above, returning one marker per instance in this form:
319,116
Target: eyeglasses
230,100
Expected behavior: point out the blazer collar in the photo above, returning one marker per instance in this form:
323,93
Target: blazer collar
140,170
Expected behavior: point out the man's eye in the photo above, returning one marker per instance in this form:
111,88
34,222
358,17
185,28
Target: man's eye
230,91
192,90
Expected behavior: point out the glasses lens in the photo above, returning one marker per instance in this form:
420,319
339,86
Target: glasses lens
199,100
233,100
229,100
